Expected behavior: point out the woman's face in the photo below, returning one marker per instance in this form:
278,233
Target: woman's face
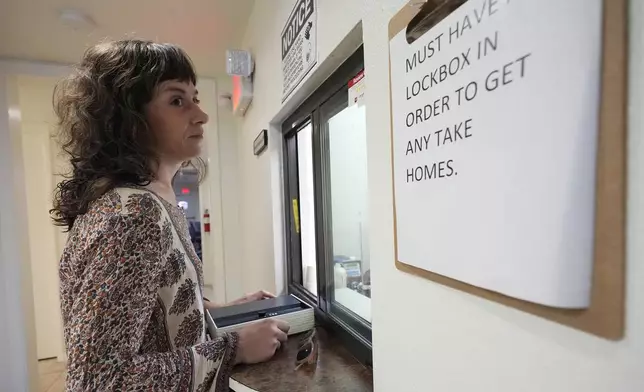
176,120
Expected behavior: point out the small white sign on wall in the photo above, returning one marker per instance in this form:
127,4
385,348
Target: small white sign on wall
299,45
495,119
356,89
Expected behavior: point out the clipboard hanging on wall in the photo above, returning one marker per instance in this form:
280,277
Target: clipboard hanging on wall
509,153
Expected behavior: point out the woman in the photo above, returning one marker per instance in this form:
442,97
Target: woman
131,283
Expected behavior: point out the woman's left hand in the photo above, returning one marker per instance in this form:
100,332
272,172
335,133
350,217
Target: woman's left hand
252,297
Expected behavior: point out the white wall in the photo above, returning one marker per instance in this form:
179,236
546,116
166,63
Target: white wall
40,155
228,133
456,342
17,330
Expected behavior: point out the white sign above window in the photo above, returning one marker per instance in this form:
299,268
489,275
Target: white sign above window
299,45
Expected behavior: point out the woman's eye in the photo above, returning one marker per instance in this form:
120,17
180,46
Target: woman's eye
196,100
177,102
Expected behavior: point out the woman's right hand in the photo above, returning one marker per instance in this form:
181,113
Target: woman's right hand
259,341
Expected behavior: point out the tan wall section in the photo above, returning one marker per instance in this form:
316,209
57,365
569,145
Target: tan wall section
42,167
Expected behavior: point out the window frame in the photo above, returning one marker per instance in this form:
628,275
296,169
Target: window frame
347,326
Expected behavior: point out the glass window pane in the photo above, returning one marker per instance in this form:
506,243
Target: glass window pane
347,135
307,208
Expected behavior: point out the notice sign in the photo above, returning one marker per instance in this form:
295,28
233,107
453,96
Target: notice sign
299,45
495,123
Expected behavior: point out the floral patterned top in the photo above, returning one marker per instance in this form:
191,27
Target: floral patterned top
132,304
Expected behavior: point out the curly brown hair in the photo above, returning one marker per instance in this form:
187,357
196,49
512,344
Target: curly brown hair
101,121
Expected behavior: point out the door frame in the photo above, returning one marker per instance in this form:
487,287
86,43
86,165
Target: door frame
18,364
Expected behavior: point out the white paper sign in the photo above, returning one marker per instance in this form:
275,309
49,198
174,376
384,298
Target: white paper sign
356,89
299,45
495,117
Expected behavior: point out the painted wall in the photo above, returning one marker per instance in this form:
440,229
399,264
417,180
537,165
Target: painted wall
40,156
18,370
457,342
228,141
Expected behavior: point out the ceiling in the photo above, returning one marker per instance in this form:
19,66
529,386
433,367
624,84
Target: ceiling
31,29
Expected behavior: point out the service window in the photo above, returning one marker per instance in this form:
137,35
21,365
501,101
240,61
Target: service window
327,204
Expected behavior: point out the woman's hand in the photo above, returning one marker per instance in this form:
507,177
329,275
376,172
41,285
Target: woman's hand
257,296
210,305
259,341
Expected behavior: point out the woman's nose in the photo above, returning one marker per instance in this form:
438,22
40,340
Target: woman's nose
200,116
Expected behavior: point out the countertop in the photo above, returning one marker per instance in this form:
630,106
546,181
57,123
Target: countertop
336,370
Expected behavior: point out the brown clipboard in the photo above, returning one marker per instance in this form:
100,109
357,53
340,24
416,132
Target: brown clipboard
605,317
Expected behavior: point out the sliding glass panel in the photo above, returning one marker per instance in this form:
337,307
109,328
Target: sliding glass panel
307,208
344,130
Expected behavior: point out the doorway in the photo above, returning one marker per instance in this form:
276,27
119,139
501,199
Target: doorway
186,190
